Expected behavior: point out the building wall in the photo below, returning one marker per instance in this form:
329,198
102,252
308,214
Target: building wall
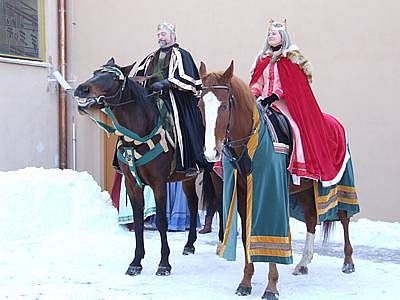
352,45
29,108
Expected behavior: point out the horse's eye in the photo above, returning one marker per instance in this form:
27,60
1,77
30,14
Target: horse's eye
223,107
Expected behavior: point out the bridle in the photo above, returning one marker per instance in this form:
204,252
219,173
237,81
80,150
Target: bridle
102,99
230,102
228,144
123,81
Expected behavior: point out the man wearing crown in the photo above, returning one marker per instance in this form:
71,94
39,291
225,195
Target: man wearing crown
281,78
171,70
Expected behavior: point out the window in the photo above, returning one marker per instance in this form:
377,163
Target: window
22,29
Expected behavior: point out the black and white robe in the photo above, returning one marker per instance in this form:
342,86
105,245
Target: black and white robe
180,69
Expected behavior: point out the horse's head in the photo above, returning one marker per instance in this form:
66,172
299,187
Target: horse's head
104,87
215,104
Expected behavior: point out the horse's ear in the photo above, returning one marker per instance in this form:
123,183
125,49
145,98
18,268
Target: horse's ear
110,62
202,70
126,70
228,74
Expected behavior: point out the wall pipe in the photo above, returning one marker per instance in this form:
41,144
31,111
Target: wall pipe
62,94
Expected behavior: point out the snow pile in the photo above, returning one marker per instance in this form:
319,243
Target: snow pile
375,234
59,239
362,232
38,202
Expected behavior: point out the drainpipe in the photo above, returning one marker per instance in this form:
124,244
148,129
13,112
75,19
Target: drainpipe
62,94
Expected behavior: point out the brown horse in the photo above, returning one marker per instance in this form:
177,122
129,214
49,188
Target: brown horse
138,121
227,106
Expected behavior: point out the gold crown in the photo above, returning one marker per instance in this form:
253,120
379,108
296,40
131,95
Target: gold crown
275,25
166,25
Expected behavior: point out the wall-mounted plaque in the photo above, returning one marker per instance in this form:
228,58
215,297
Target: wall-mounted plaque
22,29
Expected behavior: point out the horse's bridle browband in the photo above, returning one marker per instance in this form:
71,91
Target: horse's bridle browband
216,86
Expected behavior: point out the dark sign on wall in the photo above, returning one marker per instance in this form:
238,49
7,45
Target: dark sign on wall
21,29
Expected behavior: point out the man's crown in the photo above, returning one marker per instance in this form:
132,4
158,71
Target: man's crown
275,25
166,25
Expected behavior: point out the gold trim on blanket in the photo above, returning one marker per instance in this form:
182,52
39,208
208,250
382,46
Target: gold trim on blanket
230,216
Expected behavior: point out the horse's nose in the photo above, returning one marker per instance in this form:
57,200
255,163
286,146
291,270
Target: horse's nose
82,91
213,155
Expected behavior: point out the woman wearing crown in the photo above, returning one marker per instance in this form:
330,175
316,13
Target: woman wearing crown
281,78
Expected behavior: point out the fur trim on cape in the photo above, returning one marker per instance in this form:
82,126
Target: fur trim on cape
297,58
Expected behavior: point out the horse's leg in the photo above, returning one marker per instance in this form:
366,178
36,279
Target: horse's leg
348,265
209,198
271,291
306,199
218,188
190,191
137,202
244,288
160,195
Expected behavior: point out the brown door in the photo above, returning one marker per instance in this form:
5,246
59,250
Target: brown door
109,149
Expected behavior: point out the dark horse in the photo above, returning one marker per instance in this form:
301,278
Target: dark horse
138,120
227,106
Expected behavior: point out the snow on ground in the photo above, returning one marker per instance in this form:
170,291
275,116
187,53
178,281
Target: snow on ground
59,239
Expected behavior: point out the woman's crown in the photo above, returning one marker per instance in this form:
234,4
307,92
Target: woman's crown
275,25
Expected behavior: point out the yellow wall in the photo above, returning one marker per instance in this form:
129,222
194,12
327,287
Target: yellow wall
351,44
29,107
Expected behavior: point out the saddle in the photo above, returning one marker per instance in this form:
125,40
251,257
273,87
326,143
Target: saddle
279,128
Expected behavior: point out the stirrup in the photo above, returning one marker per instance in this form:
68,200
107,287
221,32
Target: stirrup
192,172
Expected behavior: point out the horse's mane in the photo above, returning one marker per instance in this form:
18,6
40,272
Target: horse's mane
242,90
139,93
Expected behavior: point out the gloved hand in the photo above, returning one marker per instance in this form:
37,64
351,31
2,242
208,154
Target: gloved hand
268,100
160,85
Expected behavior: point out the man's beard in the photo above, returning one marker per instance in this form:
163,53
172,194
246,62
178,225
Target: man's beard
162,43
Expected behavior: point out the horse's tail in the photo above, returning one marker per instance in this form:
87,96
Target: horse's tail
208,192
327,228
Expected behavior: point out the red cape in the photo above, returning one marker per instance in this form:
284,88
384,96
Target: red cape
323,138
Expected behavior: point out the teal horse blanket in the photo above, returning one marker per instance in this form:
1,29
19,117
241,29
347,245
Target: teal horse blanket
329,200
267,202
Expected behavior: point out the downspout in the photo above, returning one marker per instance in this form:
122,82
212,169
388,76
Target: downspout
62,94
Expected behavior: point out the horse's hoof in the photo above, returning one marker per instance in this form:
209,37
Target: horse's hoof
218,250
163,271
188,250
300,270
205,230
270,295
243,290
134,270
348,268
